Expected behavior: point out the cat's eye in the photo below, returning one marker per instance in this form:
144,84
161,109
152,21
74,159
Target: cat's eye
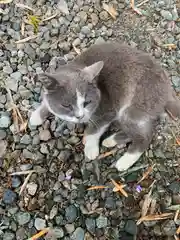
86,103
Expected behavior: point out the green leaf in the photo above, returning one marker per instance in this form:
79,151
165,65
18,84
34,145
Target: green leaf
34,21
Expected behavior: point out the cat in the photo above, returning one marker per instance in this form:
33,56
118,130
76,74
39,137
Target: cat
110,82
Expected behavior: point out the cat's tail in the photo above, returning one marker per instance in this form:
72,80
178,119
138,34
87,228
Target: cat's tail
173,106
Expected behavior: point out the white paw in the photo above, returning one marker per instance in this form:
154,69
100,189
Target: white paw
127,160
35,119
109,142
91,149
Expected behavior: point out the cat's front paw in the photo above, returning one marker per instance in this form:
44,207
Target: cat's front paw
91,149
35,119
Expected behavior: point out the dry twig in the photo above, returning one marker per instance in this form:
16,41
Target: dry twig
40,234
97,187
146,174
25,183
154,217
119,188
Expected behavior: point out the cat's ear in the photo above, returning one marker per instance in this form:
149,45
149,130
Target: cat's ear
94,69
47,80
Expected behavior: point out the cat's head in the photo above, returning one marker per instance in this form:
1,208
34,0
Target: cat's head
72,93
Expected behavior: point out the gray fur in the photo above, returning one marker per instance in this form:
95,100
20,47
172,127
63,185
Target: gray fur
125,84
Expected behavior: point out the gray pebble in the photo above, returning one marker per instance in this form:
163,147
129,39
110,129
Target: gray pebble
131,227
71,213
58,232
85,30
8,236
5,121
45,135
23,218
69,228
32,188
104,16
78,234
174,187
167,15
15,181
169,228
7,69
39,223
90,225
9,196
26,139
2,134
101,222
110,203
25,167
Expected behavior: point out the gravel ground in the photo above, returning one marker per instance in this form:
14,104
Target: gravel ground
52,191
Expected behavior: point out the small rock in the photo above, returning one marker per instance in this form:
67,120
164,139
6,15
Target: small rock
110,203
101,222
90,225
32,188
25,167
94,19
58,232
166,15
78,234
39,223
169,228
26,139
2,134
176,81
21,234
76,42
8,236
104,16
9,197
3,146
131,227
53,212
73,140
174,187
85,30
44,135
69,228
5,121
15,182
71,213
7,69
23,218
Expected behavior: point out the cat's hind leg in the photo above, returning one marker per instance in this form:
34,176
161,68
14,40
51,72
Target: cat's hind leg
39,115
139,127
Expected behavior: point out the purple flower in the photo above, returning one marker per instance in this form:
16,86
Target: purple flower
138,188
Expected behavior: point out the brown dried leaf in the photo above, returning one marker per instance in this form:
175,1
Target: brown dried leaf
97,187
146,205
154,217
170,46
119,188
107,154
111,10
146,174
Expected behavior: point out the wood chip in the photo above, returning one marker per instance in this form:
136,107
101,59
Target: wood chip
170,46
146,174
111,10
5,1
119,188
23,6
176,215
24,40
25,183
97,187
76,49
39,234
155,217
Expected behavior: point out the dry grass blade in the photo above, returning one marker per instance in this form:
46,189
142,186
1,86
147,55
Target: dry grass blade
146,174
153,206
23,6
22,28
107,154
140,4
154,217
119,188
176,215
111,10
5,1
49,18
22,173
178,231
25,183
170,114
40,234
170,46
76,49
24,40
97,187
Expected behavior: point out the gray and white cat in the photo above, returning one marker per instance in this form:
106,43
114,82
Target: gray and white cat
110,82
